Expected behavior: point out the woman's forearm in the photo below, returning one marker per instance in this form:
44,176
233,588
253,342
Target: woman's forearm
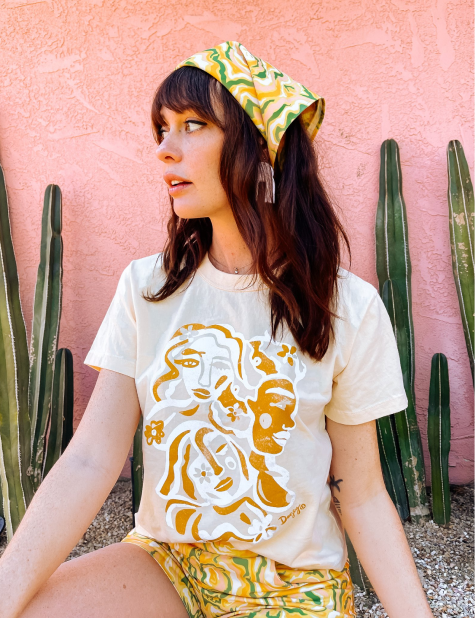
378,537
59,514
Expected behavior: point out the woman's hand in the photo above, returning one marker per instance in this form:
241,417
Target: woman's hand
371,520
72,493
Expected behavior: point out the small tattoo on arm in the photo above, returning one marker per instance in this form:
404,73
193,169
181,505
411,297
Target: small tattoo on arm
335,483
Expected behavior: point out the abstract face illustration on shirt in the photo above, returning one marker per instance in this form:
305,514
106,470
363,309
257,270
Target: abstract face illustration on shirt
225,409
273,410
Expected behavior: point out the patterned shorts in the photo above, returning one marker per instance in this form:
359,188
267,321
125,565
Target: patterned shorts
216,580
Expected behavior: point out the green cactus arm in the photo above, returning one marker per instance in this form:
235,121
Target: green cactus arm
17,490
393,260
461,224
45,327
409,437
390,464
62,406
55,438
438,434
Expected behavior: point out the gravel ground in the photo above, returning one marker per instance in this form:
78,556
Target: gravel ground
444,555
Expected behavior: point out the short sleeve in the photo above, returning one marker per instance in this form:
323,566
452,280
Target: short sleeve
115,345
371,384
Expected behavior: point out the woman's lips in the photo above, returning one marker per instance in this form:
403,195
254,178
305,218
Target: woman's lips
182,186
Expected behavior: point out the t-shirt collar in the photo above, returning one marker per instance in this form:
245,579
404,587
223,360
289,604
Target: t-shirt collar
227,281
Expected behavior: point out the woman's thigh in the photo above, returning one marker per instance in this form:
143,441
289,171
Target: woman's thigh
118,581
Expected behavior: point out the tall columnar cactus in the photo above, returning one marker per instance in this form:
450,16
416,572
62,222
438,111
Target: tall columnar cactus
409,437
438,433
26,379
393,263
45,329
392,239
15,446
461,220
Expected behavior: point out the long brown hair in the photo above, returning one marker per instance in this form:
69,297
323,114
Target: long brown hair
294,242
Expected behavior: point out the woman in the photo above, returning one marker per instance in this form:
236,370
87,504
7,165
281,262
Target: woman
259,365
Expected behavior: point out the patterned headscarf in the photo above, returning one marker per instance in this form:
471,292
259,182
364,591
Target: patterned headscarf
271,98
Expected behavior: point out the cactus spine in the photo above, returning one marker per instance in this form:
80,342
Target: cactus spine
393,263
438,433
461,215
26,380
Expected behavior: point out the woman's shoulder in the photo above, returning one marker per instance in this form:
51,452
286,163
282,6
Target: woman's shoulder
355,294
145,271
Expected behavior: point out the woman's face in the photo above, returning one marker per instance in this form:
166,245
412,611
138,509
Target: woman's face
190,151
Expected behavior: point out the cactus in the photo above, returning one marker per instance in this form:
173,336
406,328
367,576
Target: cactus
390,464
461,209
61,420
45,328
26,374
137,468
438,433
409,437
393,263
17,489
392,242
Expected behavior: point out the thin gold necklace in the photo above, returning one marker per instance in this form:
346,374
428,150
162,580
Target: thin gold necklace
221,264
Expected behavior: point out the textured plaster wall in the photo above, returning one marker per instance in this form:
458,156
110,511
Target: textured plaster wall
77,79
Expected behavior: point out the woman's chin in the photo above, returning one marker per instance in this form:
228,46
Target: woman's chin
186,211
189,211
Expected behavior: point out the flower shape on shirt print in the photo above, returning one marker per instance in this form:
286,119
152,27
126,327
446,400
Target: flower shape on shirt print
204,473
261,528
234,412
154,432
289,353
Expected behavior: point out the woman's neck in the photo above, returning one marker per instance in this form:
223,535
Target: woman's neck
228,251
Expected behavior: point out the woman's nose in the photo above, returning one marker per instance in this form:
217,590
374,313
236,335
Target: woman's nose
168,151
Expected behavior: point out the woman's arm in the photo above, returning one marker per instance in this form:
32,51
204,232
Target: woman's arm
372,521
72,493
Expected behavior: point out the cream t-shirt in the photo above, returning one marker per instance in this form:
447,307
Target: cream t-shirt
234,443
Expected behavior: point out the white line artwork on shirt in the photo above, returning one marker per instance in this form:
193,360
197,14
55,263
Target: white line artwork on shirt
222,431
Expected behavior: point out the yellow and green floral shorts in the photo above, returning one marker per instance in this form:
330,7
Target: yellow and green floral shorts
215,580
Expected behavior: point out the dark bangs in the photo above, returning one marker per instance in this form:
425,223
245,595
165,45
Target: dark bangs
187,88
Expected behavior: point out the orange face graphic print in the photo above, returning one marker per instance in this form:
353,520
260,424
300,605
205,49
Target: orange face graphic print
224,411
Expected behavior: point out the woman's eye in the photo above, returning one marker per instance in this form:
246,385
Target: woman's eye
194,125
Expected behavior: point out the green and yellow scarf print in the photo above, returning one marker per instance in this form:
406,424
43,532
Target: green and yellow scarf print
272,99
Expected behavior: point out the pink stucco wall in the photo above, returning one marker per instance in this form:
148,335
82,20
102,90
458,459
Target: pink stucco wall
77,80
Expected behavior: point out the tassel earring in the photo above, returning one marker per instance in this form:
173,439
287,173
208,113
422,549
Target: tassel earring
266,175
